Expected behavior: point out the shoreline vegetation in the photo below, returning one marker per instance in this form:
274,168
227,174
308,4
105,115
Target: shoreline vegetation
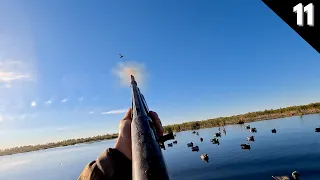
312,108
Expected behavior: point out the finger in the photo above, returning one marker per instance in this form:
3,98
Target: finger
157,122
127,116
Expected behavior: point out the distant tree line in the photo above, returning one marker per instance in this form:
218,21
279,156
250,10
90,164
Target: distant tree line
69,142
245,118
220,121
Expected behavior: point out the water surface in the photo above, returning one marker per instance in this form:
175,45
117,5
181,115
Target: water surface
295,146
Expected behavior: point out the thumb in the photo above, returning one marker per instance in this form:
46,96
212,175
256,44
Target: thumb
127,116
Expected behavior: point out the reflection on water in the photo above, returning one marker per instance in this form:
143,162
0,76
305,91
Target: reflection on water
8,164
295,146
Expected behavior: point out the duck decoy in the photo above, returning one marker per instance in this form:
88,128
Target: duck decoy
215,141
253,130
294,175
205,157
251,138
196,148
190,144
245,146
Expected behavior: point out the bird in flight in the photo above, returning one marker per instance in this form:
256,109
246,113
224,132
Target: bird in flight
121,56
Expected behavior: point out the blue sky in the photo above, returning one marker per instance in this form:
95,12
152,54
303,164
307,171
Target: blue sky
202,59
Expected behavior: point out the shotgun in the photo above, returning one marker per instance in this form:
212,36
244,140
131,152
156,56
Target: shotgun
147,159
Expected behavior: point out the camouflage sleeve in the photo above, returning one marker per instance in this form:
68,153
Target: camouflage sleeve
111,164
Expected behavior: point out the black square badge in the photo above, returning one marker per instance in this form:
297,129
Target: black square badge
303,16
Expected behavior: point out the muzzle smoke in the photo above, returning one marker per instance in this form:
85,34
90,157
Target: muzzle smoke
124,69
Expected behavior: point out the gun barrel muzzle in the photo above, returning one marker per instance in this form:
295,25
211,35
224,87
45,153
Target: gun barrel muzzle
133,81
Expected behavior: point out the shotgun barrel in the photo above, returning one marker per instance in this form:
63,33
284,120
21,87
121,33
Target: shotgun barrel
147,159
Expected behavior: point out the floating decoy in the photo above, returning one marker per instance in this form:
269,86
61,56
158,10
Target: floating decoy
196,148
245,146
251,138
204,157
190,144
253,130
294,175
215,141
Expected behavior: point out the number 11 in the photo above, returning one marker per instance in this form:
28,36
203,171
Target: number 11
300,10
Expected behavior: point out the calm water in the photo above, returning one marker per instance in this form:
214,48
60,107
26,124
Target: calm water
295,146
